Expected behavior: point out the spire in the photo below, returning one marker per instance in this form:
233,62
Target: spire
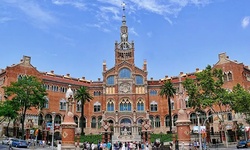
123,16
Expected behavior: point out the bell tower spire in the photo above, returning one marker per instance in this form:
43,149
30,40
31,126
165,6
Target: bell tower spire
124,50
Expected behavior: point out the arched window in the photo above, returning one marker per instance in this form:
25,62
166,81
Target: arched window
175,118
76,120
153,92
58,119
230,76
186,102
140,105
46,104
125,73
157,122
193,118
153,106
99,122
40,119
97,107
225,76
152,121
167,121
138,80
110,80
110,106
62,104
203,117
48,118
93,122
229,116
83,122
125,105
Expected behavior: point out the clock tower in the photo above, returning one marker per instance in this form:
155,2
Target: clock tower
124,50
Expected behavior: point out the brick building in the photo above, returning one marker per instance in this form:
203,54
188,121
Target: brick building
125,99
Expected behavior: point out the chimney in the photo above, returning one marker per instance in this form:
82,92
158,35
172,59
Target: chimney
52,71
145,65
197,69
68,75
83,78
151,78
99,79
104,67
166,76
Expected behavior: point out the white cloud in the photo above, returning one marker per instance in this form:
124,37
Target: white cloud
5,19
132,31
245,21
75,3
149,34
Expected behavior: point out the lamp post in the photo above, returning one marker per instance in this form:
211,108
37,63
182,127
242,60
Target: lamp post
52,128
199,130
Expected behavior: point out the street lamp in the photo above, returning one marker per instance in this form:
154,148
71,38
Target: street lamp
199,130
52,129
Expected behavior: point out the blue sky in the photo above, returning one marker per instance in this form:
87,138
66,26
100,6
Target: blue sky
76,36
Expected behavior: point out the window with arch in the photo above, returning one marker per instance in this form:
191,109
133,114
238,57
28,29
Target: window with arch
62,104
76,120
193,118
175,118
140,105
48,118
229,116
58,119
82,122
225,76
93,122
110,105
125,73
139,123
203,117
40,119
152,121
97,107
153,106
167,121
97,93
79,106
46,104
138,80
111,80
230,76
157,122
125,105
99,122
153,92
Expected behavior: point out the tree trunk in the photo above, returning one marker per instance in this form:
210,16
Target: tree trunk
82,116
170,115
23,121
7,129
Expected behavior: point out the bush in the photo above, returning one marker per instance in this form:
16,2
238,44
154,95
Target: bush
91,138
162,137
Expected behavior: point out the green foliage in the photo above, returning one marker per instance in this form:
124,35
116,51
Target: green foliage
91,138
8,109
162,137
82,95
168,91
25,93
206,90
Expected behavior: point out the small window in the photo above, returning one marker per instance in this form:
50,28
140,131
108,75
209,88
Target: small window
76,120
97,107
110,106
138,80
153,92
153,106
97,93
152,121
230,76
172,104
46,104
58,119
157,122
79,106
93,122
229,117
62,104
167,121
140,105
225,76
125,73
99,122
187,102
110,80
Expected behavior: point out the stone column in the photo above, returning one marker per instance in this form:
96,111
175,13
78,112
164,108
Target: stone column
183,129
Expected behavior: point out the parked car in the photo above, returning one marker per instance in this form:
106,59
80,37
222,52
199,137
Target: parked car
242,144
19,143
7,141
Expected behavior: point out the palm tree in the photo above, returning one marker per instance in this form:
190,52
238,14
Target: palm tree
168,91
82,94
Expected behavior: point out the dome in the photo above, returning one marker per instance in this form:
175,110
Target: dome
69,93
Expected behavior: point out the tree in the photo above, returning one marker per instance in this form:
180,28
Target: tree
240,101
168,91
82,94
8,111
207,91
25,93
